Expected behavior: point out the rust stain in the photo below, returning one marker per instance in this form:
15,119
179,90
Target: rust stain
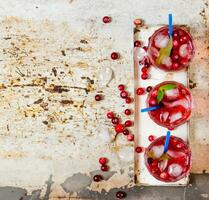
57,89
66,102
13,154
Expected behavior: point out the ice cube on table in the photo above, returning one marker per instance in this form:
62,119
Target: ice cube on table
185,50
172,94
161,40
105,75
162,164
175,170
158,151
167,61
175,116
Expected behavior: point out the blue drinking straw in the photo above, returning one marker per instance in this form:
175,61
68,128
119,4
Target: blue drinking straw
150,108
167,139
170,25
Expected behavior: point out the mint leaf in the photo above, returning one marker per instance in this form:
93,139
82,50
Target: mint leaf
167,87
160,95
165,52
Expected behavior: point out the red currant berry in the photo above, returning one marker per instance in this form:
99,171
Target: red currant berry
144,69
106,19
98,97
149,88
183,39
130,137
110,115
127,111
140,91
115,120
119,128
138,149
97,178
104,168
114,55
124,94
128,123
144,76
125,132
128,100
121,87
137,43
103,160
120,195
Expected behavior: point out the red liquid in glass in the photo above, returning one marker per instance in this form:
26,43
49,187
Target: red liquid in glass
175,107
172,166
181,53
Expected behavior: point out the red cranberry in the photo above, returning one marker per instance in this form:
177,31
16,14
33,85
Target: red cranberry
175,34
140,91
138,149
144,76
152,102
138,22
147,63
123,94
120,195
137,43
106,19
114,55
128,123
103,160
98,97
144,69
175,44
164,175
119,128
128,100
154,93
104,168
174,56
125,132
121,87
130,137
127,111
115,120
149,88
151,138
97,178
175,65
183,39
184,61
110,115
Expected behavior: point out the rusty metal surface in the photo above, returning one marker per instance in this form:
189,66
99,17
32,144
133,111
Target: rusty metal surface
51,54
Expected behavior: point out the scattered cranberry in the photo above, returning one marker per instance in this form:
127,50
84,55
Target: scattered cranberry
115,120
98,97
144,76
106,19
114,55
110,115
103,160
128,100
98,178
149,88
128,123
140,91
152,102
175,44
144,69
183,39
125,132
124,94
119,128
120,195
138,22
130,137
138,149
104,168
151,138
137,43
127,111
121,87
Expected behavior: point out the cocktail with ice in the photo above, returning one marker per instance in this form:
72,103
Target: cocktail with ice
175,104
170,54
172,165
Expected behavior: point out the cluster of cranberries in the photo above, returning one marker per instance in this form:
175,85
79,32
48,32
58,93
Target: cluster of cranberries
124,94
103,161
141,91
145,69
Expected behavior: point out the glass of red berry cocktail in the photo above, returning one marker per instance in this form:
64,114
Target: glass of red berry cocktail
172,165
170,53
174,101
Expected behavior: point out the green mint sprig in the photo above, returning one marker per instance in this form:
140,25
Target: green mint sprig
162,90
